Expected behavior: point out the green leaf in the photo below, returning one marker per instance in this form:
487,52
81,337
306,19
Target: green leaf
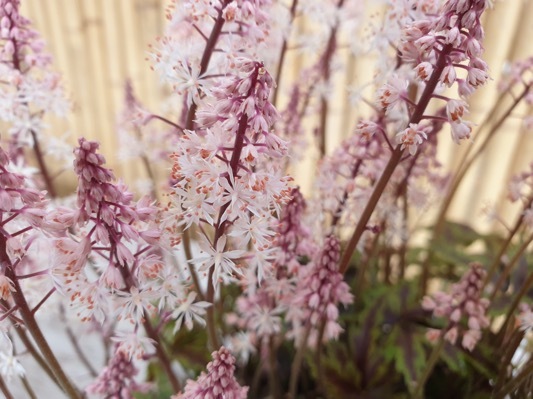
459,233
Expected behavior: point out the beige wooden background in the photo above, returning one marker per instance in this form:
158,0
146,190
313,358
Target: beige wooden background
98,44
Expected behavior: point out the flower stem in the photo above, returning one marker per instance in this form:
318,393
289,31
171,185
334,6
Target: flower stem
282,55
129,282
297,363
514,305
515,382
497,259
5,390
508,268
32,326
369,208
275,389
210,316
432,361
206,57
42,166
161,355
28,388
76,345
393,161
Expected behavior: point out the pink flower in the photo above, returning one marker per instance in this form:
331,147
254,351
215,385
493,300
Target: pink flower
218,383
367,129
411,138
117,379
6,287
455,109
460,131
464,302
424,70
225,176
391,94
319,292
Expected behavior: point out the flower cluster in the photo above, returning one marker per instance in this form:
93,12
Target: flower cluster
24,224
462,304
116,268
320,290
117,379
226,186
189,69
28,89
219,381
345,178
260,309
439,46
236,249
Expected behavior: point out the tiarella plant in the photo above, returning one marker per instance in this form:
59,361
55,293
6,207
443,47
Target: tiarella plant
222,278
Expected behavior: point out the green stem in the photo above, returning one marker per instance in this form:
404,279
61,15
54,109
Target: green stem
432,361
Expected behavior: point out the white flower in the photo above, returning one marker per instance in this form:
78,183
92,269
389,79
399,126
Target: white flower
133,345
411,138
242,345
460,131
135,303
265,321
10,366
190,312
220,259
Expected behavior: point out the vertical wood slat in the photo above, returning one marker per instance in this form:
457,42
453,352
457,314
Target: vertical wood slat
97,44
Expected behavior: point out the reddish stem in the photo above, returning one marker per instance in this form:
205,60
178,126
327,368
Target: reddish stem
393,161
